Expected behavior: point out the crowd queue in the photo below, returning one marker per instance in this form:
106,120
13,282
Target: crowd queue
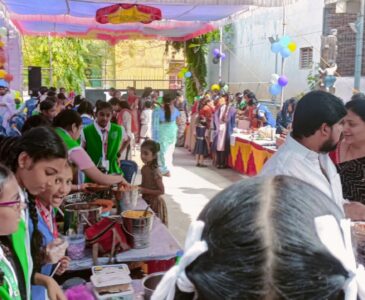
284,234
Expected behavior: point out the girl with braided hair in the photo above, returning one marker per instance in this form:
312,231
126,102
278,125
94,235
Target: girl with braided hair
35,158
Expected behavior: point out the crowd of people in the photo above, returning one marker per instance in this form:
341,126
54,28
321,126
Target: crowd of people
215,114
287,233
59,145
268,237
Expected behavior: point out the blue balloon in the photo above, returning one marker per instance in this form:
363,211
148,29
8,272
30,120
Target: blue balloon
285,52
276,47
3,83
275,89
187,74
285,41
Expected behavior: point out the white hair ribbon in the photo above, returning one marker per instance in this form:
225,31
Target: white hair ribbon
340,246
194,247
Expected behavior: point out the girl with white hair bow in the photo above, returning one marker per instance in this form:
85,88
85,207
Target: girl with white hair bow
267,238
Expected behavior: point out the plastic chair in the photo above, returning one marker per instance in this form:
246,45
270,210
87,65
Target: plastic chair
129,168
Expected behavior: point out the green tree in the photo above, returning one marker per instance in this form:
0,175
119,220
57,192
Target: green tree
196,51
71,57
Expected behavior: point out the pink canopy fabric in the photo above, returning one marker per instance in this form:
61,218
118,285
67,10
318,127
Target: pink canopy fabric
181,19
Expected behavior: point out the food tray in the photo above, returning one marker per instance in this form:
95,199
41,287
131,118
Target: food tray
110,268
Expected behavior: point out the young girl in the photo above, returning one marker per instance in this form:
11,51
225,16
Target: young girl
152,187
45,202
202,142
13,268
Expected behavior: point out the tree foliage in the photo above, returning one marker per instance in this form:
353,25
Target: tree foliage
196,51
71,57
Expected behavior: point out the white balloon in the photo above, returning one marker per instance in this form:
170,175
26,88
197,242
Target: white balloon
274,78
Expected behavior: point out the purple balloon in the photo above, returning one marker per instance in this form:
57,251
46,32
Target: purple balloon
216,52
283,80
223,56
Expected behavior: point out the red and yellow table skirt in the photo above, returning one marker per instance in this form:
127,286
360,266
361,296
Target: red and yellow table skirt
248,157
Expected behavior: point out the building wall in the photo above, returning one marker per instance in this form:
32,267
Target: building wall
250,62
143,63
346,39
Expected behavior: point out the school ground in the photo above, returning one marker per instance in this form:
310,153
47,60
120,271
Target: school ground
190,188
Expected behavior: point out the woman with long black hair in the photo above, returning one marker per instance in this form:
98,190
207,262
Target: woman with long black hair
267,238
169,118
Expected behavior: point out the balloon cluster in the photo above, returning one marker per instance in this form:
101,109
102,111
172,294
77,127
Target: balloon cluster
218,55
5,77
285,46
277,83
184,73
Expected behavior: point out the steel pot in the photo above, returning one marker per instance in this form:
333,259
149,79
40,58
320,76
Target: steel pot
80,216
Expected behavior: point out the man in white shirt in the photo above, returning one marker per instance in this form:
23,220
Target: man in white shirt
317,129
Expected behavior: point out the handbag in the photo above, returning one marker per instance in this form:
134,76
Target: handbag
106,236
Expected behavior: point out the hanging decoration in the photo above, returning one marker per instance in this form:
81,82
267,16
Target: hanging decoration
218,55
5,77
128,13
283,81
275,87
285,46
215,87
184,73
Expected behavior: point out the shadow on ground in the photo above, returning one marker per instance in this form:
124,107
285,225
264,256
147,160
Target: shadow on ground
210,193
179,221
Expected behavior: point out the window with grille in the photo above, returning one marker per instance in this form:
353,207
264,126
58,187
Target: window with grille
306,58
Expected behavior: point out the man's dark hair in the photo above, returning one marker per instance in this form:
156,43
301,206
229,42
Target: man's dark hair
358,96
314,109
47,105
114,101
103,105
43,90
61,96
86,107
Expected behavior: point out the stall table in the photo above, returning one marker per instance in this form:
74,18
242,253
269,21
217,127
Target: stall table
160,254
248,156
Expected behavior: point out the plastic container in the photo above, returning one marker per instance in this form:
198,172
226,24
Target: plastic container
106,269
76,247
128,295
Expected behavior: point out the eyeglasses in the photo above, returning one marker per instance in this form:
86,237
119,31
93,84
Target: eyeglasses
17,204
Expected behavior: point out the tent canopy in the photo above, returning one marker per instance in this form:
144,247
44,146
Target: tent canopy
181,19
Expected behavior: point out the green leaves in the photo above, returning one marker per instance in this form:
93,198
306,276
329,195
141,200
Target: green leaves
70,58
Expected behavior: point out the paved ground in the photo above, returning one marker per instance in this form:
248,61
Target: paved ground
190,188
